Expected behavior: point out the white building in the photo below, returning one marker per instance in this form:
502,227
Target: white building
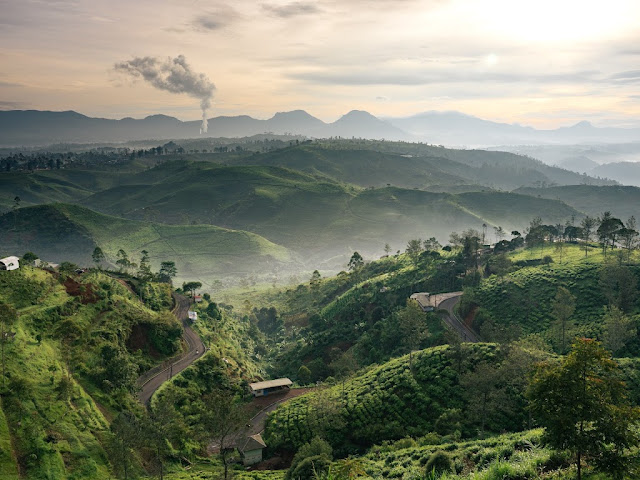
9,263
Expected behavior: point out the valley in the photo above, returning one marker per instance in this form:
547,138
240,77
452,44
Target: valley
299,262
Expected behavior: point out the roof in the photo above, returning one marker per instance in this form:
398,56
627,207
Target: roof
253,442
8,260
279,382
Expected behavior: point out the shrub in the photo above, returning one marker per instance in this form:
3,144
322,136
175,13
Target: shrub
439,462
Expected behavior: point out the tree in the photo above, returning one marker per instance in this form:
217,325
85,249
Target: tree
609,230
480,389
29,257
167,271
618,329
619,286
97,256
221,418
387,249
123,260
582,404
499,233
629,235
431,245
356,262
587,225
500,265
127,434
191,287
412,325
304,375
414,248
8,317
563,307
144,271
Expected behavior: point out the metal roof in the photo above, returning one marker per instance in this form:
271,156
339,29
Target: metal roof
253,442
279,382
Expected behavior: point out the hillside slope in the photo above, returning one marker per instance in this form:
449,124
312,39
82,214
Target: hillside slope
320,217
60,232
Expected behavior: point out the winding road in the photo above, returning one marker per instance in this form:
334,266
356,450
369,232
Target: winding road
151,380
452,320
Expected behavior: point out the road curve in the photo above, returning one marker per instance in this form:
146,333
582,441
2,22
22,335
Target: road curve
151,381
452,320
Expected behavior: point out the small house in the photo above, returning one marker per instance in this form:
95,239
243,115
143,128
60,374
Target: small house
261,389
9,263
251,449
425,301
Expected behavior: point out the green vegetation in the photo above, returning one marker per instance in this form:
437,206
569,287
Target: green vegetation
61,232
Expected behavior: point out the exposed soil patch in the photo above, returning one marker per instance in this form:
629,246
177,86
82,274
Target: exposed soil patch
471,316
82,290
139,340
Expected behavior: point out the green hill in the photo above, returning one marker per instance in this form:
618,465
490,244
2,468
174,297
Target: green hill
60,232
521,303
621,201
71,364
320,218
392,401
412,165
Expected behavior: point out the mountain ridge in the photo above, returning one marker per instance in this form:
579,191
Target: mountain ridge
41,127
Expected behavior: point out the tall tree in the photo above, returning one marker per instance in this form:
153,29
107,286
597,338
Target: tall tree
97,256
222,418
412,325
414,248
564,305
8,317
356,262
629,235
582,404
618,329
167,271
587,225
609,230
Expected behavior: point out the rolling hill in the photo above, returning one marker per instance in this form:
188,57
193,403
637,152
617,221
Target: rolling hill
317,217
62,232
621,201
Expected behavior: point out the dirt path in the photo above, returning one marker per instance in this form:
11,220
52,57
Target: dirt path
151,380
452,320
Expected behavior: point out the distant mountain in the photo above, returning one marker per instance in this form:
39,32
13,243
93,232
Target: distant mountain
580,164
32,127
455,128
627,173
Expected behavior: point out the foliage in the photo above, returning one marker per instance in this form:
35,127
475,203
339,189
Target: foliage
584,408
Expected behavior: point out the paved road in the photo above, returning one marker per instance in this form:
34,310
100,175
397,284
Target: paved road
466,333
151,381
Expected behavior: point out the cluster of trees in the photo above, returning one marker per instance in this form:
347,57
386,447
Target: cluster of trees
608,230
142,270
56,161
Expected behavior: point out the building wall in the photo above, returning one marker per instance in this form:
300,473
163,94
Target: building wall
252,456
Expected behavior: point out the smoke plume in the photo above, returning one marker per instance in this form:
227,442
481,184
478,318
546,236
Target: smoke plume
173,75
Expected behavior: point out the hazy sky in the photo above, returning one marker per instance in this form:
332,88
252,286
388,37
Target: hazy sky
539,62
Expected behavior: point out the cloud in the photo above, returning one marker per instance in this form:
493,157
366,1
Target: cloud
292,9
216,19
632,76
9,84
383,76
172,75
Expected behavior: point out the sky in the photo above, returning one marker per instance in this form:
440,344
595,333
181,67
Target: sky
544,63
